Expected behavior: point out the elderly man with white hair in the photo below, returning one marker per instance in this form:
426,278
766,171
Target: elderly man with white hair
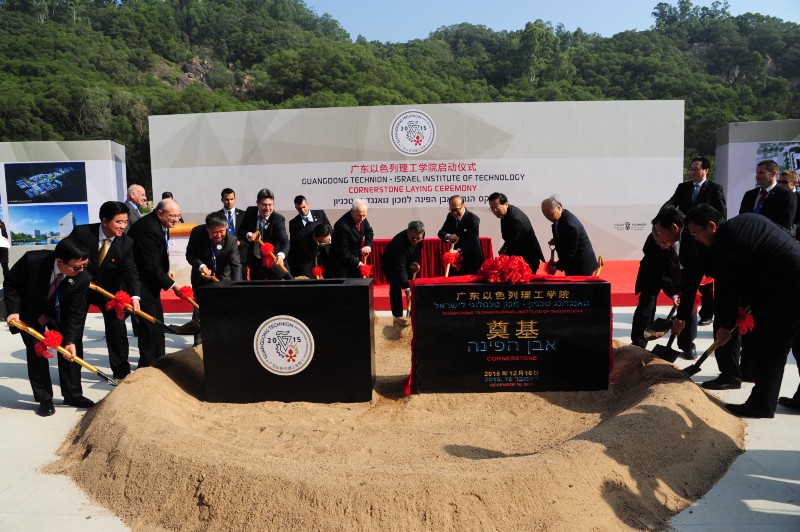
352,241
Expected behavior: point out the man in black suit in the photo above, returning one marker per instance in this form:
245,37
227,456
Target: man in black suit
113,268
687,195
47,289
352,241
575,253
745,252
462,227
671,263
234,218
305,217
768,199
311,247
517,232
400,260
150,240
262,219
788,180
136,198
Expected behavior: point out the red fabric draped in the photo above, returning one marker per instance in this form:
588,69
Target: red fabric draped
431,261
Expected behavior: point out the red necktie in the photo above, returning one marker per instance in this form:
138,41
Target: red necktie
54,285
358,227
760,199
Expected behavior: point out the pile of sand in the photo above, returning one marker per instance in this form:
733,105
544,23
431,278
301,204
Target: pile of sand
159,457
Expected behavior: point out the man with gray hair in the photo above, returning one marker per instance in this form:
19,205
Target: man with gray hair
400,261
136,198
352,241
575,253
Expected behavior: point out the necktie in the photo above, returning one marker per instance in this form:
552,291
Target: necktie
309,219
695,193
358,227
262,222
760,200
230,222
54,285
103,250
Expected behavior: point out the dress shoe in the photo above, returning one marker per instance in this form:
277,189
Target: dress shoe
79,401
705,321
745,410
689,353
790,402
46,408
723,382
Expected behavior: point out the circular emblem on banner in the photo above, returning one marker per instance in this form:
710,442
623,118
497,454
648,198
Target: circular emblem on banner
283,345
412,132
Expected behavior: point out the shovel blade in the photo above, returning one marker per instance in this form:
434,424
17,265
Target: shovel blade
666,353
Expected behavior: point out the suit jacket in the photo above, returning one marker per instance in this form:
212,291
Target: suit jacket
304,251
346,245
225,262
118,271
397,258
757,263
575,253
519,237
26,288
779,206
3,251
274,233
150,253
710,193
238,215
296,223
134,214
468,232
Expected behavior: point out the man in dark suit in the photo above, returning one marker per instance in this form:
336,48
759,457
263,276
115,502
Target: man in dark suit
745,251
311,247
671,263
47,289
136,198
113,268
687,195
575,253
263,220
234,218
768,199
305,216
352,241
150,240
788,180
462,227
4,250
400,260
517,232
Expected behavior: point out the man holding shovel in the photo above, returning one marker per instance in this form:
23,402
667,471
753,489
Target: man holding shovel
746,253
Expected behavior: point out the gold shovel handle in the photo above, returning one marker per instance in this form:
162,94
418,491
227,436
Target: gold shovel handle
257,238
447,266
22,326
128,306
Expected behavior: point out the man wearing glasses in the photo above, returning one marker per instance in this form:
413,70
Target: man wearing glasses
150,243
462,227
671,263
47,290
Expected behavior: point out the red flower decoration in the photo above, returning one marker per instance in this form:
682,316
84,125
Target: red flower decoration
706,280
121,299
453,258
745,321
187,292
506,269
317,271
51,340
267,255
366,270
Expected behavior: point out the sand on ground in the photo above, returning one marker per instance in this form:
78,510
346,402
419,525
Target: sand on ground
158,456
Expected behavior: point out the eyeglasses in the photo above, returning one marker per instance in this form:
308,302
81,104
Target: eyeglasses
786,182
174,216
78,268
457,209
660,237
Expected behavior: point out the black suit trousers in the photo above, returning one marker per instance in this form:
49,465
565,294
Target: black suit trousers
151,337
117,343
644,314
69,373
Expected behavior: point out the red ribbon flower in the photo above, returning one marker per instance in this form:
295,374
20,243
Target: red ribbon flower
317,271
453,258
745,321
186,292
366,270
44,348
267,255
706,280
506,269
121,299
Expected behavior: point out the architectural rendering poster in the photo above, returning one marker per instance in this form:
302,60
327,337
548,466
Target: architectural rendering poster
37,225
63,182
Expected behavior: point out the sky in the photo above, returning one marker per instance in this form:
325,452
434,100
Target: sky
405,20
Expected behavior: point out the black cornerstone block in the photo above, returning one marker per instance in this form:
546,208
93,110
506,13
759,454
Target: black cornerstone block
300,340
482,337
